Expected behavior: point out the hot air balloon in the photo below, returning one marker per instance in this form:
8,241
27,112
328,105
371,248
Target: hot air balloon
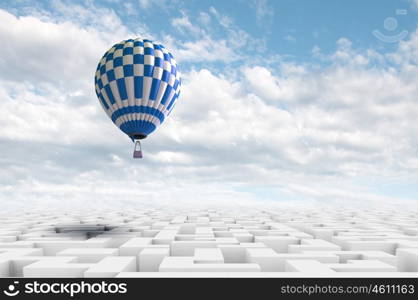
137,83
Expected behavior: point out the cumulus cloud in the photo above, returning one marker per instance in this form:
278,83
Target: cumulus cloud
263,82
39,52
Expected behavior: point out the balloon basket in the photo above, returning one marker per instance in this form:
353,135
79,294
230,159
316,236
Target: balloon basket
137,150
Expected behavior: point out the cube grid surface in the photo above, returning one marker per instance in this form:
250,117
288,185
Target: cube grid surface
218,242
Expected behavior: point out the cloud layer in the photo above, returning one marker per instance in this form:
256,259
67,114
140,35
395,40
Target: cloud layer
329,130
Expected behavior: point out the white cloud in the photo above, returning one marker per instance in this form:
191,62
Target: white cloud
236,37
201,43
184,25
263,10
263,82
205,49
212,37
290,38
224,20
164,5
42,52
204,18
408,51
144,3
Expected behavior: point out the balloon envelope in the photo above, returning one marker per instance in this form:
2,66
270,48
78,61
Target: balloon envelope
137,83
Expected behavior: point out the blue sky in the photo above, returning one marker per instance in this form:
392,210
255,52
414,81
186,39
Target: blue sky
289,28
282,101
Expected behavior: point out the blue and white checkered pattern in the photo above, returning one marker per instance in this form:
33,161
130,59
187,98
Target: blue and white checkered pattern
138,84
